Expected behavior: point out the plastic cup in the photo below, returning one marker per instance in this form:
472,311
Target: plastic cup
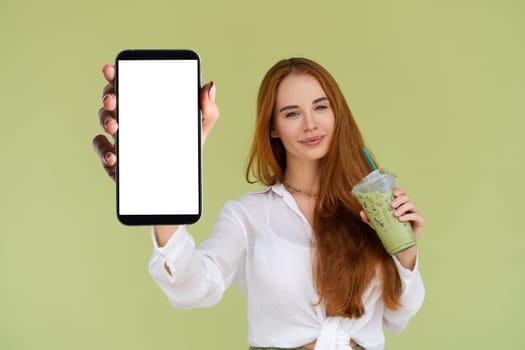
375,194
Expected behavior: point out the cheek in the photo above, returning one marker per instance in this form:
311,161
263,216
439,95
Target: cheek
290,133
282,130
330,123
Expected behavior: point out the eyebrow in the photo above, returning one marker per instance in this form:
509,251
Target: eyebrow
317,100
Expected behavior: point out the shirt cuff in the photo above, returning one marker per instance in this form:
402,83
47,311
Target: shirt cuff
176,252
405,273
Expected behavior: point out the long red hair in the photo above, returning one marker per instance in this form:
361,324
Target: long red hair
349,254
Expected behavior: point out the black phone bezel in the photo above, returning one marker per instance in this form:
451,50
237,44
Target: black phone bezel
160,219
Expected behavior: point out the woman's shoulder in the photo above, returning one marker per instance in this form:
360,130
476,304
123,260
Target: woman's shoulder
255,200
253,197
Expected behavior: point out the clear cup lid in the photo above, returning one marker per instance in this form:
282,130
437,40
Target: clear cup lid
380,180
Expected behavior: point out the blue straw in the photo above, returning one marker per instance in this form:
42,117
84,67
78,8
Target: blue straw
365,151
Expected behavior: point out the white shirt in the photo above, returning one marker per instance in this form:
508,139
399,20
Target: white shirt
262,242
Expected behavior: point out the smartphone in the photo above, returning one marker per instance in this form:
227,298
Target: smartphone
158,142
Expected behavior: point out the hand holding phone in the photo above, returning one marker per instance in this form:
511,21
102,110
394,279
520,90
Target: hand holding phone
106,151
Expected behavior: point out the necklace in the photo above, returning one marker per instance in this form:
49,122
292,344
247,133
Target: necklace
298,191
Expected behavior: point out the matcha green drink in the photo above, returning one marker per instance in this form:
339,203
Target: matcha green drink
375,193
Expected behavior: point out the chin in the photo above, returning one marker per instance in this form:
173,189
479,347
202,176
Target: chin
317,156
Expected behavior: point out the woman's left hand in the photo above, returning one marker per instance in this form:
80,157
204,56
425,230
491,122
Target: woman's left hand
404,210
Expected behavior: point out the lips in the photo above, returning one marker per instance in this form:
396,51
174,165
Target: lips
312,141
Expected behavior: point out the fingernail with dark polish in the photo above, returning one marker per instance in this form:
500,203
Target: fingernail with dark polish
212,92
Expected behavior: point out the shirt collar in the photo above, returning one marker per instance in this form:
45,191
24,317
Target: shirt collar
281,190
276,188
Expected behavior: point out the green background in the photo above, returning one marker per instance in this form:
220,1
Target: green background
437,88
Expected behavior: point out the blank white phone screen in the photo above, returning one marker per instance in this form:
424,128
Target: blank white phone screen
158,140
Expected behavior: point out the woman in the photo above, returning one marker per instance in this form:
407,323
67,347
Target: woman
313,271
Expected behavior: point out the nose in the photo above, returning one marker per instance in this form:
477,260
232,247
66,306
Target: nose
310,122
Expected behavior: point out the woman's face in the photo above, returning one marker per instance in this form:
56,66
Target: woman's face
303,118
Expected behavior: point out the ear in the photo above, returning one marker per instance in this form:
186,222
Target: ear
274,134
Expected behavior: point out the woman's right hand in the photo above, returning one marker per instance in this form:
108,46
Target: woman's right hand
106,115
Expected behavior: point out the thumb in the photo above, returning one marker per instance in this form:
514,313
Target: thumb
208,105
210,110
364,217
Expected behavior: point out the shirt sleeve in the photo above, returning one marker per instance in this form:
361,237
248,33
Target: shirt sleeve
199,276
412,296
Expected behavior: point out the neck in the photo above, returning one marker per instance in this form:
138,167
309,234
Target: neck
303,175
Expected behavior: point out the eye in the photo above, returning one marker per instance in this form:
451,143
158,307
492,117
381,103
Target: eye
291,114
320,108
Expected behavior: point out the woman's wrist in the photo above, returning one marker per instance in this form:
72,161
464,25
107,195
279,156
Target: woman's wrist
164,233
407,258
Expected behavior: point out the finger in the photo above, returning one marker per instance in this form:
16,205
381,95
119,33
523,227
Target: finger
416,218
416,221
364,217
405,208
110,102
399,191
108,89
402,199
105,150
111,170
109,72
107,121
